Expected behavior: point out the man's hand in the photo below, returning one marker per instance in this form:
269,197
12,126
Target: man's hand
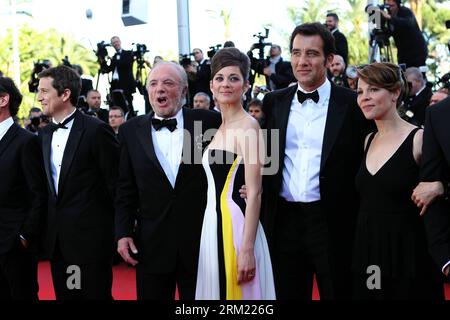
243,192
24,243
267,71
425,193
446,271
386,15
123,246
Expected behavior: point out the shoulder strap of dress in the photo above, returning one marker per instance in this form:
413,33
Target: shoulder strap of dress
369,141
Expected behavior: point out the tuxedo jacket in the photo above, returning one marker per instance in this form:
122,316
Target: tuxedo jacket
342,152
81,214
23,195
436,167
418,105
169,220
124,67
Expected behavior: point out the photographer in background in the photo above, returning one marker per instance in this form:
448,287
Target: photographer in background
38,67
122,68
202,73
278,73
402,25
36,120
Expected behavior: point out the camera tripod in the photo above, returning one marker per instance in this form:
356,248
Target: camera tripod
380,47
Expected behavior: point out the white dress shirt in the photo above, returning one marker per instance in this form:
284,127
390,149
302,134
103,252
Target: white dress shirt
169,147
59,142
303,152
4,126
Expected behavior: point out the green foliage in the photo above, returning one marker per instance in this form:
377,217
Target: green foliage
35,46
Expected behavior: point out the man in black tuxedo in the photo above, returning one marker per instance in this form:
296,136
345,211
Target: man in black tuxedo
419,97
81,161
122,78
432,194
310,204
162,185
332,23
23,200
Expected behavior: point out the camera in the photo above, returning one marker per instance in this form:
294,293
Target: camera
185,59
102,52
373,9
38,68
259,64
213,50
141,49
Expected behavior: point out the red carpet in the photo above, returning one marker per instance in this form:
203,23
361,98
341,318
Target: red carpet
124,283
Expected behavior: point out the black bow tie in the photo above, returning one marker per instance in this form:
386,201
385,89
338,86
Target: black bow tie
62,125
170,124
301,96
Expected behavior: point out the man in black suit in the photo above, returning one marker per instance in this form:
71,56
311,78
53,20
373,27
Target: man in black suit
419,97
162,185
23,200
81,161
432,194
310,204
122,78
94,101
202,74
340,40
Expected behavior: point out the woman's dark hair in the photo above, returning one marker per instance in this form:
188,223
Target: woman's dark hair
230,57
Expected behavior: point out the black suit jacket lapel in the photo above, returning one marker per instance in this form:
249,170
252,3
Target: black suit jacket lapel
46,150
283,118
144,134
188,144
335,118
8,137
71,147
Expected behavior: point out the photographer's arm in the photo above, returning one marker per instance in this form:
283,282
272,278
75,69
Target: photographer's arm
406,20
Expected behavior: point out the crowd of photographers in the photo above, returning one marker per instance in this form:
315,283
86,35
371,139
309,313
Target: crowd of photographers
392,20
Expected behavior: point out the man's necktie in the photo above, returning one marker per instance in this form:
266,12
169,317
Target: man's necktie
301,96
170,124
62,125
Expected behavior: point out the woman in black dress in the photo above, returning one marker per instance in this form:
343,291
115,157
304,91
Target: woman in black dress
391,259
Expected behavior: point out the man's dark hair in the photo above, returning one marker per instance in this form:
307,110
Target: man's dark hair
64,78
334,15
229,44
8,86
312,29
230,57
255,102
117,108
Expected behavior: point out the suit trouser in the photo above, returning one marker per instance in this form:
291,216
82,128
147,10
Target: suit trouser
81,282
302,248
18,274
162,286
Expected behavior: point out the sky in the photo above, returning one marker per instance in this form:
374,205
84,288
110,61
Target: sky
160,34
